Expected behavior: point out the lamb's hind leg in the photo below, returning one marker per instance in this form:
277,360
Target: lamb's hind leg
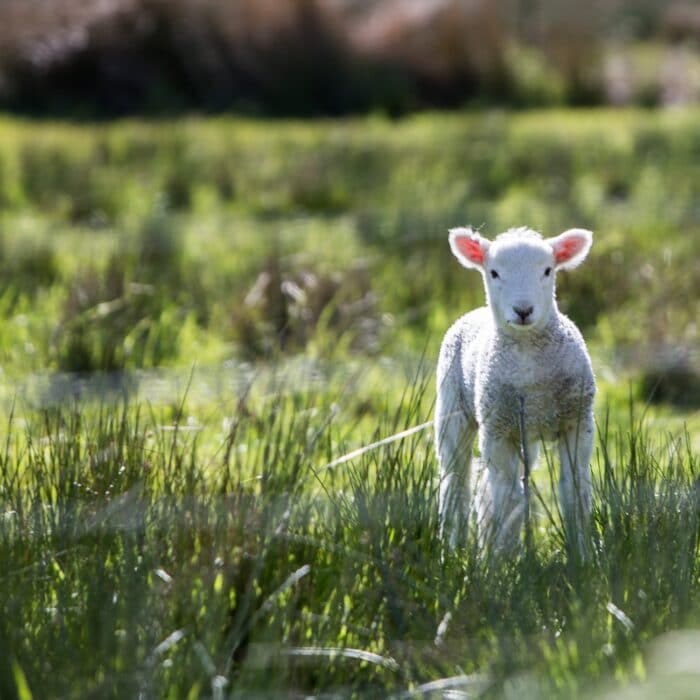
454,437
575,450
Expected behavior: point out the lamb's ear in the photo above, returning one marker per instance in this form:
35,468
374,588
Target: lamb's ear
571,247
469,247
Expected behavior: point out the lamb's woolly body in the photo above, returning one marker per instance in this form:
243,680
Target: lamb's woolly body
486,365
551,370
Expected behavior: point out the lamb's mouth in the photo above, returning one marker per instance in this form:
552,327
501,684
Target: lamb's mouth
521,323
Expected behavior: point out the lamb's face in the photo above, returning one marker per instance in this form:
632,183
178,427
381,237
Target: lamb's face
519,269
519,281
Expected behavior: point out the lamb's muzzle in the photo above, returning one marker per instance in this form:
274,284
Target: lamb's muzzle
523,312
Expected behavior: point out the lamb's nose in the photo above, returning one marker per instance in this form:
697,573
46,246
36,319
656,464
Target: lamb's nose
523,312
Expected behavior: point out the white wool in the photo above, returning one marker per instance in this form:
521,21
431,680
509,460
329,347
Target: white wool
519,345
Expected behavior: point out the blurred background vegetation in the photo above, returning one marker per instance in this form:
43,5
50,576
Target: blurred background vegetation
138,244
285,177
331,57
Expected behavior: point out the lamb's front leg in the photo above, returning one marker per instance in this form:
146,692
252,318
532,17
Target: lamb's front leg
454,444
499,493
575,450
454,437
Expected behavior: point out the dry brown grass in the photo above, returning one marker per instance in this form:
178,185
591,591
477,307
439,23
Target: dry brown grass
305,56
436,38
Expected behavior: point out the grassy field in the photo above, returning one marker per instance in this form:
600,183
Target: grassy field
199,319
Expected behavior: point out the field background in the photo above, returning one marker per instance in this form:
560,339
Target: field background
194,242
212,321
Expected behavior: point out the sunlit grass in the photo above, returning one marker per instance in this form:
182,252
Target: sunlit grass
332,197
159,550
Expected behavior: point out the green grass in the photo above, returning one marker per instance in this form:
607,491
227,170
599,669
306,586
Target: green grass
138,560
198,317
344,210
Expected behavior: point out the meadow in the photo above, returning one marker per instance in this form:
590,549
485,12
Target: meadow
203,321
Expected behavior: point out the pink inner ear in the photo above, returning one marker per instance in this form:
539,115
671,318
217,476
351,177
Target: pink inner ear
470,249
566,249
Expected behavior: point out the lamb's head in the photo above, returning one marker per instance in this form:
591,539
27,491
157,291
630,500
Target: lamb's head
519,269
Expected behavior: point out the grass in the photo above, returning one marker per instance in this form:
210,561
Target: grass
140,561
355,208
200,318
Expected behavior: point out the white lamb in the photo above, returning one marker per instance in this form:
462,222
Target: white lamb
519,347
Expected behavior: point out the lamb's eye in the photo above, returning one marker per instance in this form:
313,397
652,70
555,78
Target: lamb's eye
547,271
494,274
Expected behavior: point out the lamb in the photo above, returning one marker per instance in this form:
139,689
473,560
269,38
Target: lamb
518,347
